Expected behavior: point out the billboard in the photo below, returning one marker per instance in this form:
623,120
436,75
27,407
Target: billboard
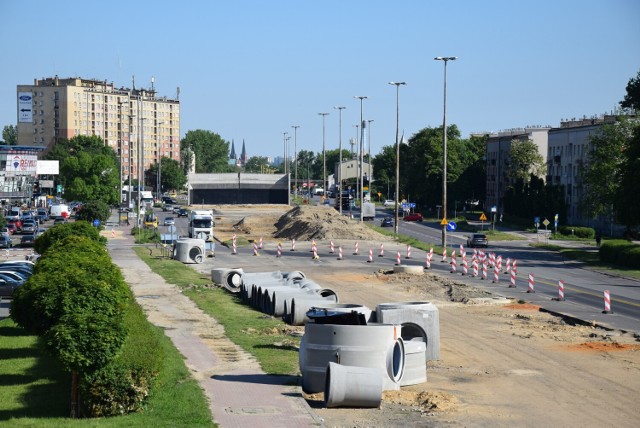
19,164
47,167
25,107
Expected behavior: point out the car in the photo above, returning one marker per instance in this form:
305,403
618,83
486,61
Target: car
387,222
5,242
15,275
11,228
169,221
43,215
176,209
5,231
8,287
413,217
389,203
27,240
477,240
183,212
59,220
29,227
167,208
17,223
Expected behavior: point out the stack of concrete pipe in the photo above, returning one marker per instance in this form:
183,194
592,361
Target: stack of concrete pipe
231,279
367,359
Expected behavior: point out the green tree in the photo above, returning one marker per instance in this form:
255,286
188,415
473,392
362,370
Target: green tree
172,176
91,177
524,161
61,231
632,98
257,164
627,206
210,150
94,210
10,135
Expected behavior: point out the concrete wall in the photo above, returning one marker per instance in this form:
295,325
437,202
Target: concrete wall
238,188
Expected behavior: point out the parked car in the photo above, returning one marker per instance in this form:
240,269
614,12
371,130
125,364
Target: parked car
29,227
477,240
11,227
5,231
27,240
169,221
387,222
389,203
7,288
17,223
413,217
43,215
5,242
15,275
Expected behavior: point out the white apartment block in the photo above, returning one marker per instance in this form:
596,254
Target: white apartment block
138,125
498,157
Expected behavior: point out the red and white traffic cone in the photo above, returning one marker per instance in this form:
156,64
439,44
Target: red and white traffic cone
408,251
508,265
531,284
331,248
355,249
313,244
484,270
499,263
453,262
279,251
255,248
444,255
496,274
381,250
607,303
113,233
464,265
492,259
398,258
339,253
429,255
233,246
560,297
293,245
512,283
461,249
514,266
370,256
260,243
474,266
315,253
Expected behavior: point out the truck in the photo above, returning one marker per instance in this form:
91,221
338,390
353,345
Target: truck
59,211
201,224
368,211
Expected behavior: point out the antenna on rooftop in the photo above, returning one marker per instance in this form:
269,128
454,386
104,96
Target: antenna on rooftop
153,80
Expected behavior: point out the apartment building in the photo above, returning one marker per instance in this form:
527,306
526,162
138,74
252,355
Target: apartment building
498,156
140,126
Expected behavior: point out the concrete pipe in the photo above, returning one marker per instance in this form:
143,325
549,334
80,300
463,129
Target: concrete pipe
293,275
189,250
301,304
349,386
419,320
260,276
307,284
330,309
414,270
228,278
415,367
281,299
373,345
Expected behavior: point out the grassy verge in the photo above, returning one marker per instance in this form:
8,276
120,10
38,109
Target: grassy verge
34,390
591,259
264,337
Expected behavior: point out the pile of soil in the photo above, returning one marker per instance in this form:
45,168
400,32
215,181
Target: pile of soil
321,222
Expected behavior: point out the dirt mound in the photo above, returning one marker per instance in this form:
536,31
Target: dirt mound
321,222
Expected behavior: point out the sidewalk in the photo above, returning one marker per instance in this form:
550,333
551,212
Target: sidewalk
239,392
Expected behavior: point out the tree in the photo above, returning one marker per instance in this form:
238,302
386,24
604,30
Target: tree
91,177
257,164
61,231
10,135
93,210
172,176
627,206
210,150
632,98
524,161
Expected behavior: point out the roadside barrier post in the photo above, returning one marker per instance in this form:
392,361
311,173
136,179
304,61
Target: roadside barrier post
370,256
279,249
508,265
255,248
408,251
512,283
429,255
398,258
474,266
339,253
355,250
496,272
531,284
444,255
453,262
331,248
233,245
484,270
560,297
607,303
381,250
293,245
260,243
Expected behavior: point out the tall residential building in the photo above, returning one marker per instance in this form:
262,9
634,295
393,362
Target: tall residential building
140,126
498,157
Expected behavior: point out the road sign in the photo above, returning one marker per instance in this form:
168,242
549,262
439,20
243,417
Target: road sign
494,209
443,222
483,217
96,223
172,229
412,205
451,226
546,222
536,219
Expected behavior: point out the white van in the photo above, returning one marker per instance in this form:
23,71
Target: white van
59,211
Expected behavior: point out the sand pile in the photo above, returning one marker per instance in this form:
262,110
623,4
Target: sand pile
321,222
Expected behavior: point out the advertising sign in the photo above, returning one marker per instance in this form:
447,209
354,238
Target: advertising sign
48,167
20,164
25,107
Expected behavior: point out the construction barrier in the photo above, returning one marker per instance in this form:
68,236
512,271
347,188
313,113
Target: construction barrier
339,253
398,262
408,251
453,262
607,303
381,250
279,250
370,256
355,249
531,284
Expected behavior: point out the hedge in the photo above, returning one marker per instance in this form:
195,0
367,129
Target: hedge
621,252
578,231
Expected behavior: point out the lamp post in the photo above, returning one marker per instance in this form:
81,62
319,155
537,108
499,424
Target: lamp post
131,117
369,156
295,157
444,147
324,160
159,177
121,160
361,98
284,157
340,108
398,84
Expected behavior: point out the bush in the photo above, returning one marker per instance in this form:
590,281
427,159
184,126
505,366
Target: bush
94,210
578,231
61,231
621,252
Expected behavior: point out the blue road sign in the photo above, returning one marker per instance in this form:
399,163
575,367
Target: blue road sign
412,205
451,226
96,222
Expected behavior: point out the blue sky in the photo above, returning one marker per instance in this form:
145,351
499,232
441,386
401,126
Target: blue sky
251,69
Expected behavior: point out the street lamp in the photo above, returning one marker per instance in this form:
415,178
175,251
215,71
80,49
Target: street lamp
395,225
295,157
284,158
131,117
361,98
369,157
340,108
159,177
444,148
324,160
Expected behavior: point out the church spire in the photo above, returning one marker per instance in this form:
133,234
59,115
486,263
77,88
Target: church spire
243,156
233,151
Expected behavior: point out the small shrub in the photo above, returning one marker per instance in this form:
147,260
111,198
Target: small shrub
578,231
621,252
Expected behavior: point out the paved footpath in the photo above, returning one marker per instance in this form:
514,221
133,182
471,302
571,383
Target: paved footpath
238,396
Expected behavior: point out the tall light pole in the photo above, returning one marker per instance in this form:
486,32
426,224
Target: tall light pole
159,177
369,157
284,157
444,147
131,117
340,108
295,157
398,84
361,98
324,159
